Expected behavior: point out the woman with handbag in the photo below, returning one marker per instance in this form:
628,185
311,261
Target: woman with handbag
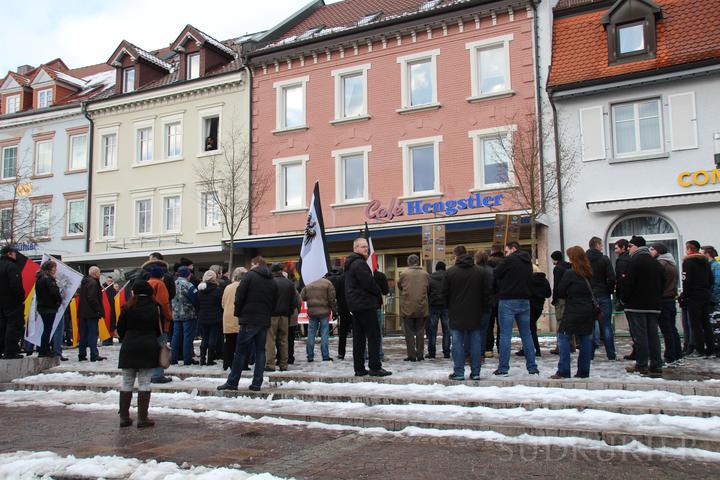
139,329
579,317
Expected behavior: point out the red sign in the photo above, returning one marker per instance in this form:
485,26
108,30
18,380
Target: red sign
375,210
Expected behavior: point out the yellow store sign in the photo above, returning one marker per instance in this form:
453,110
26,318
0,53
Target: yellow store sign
699,178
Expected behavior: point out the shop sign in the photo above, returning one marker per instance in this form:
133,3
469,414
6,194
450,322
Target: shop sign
376,211
699,178
26,246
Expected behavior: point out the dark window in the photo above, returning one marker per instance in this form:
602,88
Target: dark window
210,128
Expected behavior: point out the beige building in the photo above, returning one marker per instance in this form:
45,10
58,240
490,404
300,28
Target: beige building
173,112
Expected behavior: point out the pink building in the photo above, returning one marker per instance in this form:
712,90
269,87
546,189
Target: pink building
404,110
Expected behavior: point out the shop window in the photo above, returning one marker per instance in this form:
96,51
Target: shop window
654,228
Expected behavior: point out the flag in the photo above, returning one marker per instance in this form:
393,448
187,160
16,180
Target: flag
68,280
315,261
73,307
28,270
372,260
121,298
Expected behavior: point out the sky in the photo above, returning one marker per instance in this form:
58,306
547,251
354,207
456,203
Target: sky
86,32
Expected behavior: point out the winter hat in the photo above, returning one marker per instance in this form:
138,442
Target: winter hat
277,267
440,266
141,287
186,262
638,241
209,276
659,248
156,272
183,272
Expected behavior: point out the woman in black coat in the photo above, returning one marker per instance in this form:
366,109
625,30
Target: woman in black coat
579,316
138,328
48,300
209,317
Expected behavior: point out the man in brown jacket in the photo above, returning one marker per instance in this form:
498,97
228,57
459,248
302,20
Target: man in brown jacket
414,286
321,302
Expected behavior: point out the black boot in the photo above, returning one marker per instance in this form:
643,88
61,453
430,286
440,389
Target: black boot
203,356
211,356
125,401
143,407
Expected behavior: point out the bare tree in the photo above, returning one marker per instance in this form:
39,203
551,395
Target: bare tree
539,184
229,178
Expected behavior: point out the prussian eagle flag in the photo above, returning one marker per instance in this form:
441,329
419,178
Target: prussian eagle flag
315,260
372,260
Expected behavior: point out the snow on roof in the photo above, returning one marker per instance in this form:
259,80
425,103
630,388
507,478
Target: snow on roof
152,58
103,79
217,44
69,79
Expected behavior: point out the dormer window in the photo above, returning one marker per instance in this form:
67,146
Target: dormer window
193,66
45,98
12,104
631,38
630,26
128,80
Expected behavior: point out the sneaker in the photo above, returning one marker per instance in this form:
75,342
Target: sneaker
474,377
457,378
498,373
380,373
162,379
254,388
226,386
361,373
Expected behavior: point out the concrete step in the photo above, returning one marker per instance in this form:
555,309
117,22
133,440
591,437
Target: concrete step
22,367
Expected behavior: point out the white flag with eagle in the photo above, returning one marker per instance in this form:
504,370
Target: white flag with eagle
313,254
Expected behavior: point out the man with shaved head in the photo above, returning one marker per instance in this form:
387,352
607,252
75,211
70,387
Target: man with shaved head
90,310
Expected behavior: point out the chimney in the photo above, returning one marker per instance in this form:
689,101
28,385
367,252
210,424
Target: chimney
23,69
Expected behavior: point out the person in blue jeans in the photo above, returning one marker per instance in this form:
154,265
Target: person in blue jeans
184,308
90,310
438,313
579,315
513,278
603,283
321,303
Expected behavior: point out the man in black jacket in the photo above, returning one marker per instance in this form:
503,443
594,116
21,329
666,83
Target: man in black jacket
438,313
514,277
603,285
496,258
622,265
90,310
559,269
279,323
337,278
642,296
697,282
12,300
363,297
255,301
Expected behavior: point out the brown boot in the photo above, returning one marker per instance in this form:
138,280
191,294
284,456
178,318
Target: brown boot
143,406
125,401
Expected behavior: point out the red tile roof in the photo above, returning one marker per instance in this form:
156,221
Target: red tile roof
688,32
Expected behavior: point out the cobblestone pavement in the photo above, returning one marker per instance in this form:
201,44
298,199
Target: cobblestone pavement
308,453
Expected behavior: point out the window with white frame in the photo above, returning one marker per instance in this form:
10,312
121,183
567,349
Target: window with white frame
41,220
6,223
490,66
418,79
173,139
107,221
291,103
351,92
637,128
492,151
12,104
144,144
45,98
421,165
78,152
210,132
193,66
143,216
171,214
108,144
351,174
43,157
75,213
209,211
290,182
631,37
128,84
9,162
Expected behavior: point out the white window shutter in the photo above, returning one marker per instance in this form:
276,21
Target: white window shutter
683,124
592,133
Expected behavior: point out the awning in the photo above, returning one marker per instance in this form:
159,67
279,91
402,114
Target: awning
118,254
658,201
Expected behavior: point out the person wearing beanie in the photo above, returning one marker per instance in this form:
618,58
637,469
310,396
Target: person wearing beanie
642,296
156,260
668,312
184,308
697,282
438,313
162,297
209,317
138,327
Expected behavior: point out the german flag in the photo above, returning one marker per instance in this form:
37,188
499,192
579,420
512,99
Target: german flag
73,306
28,270
121,297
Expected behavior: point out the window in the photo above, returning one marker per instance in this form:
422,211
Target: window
637,128
351,92
631,38
210,211
654,228
351,173
108,144
193,66
211,127
107,221
290,182
492,150
75,217
173,140
291,103
418,79
128,84
41,220
143,216
144,144
45,98
490,67
12,104
9,162
421,166
6,223
43,157
78,152
171,214
630,28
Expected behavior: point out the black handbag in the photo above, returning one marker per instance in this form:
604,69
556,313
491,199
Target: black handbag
596,306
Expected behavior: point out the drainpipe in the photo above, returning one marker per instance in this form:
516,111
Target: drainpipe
538,100
558,174
249,84
88,210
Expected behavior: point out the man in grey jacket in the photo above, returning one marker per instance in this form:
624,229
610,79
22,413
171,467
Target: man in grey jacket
414,285
668,312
